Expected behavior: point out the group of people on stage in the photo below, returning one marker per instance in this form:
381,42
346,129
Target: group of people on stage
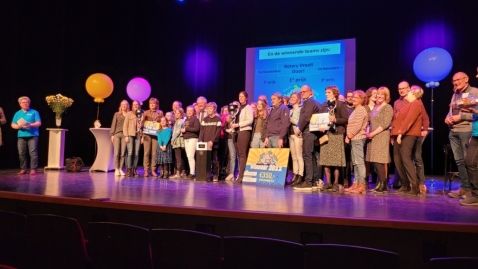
362,126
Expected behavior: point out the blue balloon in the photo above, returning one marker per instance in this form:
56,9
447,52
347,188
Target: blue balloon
432,64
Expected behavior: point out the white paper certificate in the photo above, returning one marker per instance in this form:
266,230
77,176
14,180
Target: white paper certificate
319,121
21,122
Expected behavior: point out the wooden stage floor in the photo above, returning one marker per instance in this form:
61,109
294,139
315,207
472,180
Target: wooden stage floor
434,211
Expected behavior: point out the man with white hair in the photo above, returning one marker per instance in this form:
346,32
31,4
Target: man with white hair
460,131
201,113
27,121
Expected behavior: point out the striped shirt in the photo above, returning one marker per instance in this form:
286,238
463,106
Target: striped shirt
357,124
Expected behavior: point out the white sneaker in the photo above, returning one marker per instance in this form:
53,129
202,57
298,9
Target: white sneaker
117,173
121,173
230,177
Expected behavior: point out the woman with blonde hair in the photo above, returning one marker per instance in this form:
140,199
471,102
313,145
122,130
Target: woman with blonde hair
378,134
259,125
296,141
406,129
118,138
132,135
371,101
332,153
190,131
355,136
177,141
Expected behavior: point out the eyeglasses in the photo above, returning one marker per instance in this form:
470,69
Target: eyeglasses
302,92
456,80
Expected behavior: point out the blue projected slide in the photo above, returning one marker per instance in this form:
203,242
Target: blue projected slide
285,69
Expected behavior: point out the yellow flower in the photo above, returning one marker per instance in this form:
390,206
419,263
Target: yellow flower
58,103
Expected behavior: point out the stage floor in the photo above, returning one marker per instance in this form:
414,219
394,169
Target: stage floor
433,211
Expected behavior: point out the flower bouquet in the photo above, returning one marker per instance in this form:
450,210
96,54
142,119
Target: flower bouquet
58,104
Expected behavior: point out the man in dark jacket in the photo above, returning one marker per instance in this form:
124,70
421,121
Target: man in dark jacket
209,132
309,107
277,123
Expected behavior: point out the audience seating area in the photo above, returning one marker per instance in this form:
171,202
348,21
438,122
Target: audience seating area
50,241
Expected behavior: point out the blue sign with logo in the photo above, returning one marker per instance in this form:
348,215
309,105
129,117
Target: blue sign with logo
266,166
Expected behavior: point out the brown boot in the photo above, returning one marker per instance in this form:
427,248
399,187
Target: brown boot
351,188
128,172
360,189
135,173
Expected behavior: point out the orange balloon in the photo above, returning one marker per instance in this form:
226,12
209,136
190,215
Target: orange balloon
99,86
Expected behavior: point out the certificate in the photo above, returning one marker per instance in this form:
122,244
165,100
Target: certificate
150,127
319,121
22,122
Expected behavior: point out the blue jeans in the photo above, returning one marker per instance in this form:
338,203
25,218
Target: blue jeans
133,145
257,141
358,160
471,161
273,142
232,156
459,146
30,144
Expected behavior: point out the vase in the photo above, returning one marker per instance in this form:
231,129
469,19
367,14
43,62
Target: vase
58,122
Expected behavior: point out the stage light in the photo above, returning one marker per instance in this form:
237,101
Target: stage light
200,68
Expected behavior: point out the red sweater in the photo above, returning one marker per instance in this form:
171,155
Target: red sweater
408,121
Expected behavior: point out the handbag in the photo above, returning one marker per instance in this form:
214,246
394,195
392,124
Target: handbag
324,139
74,164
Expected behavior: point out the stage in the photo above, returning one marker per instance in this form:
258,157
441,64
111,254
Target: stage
433,211
225,208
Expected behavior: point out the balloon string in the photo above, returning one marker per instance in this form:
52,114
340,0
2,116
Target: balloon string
98,112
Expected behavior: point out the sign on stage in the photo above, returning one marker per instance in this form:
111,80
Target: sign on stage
319,121
150,127
266,166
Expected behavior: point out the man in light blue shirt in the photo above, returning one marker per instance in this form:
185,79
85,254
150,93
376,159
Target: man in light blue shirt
27,121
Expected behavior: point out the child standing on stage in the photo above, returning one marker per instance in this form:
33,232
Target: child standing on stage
164,156
209,132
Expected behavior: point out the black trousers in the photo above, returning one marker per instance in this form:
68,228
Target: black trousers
308,153
402,157
242,140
